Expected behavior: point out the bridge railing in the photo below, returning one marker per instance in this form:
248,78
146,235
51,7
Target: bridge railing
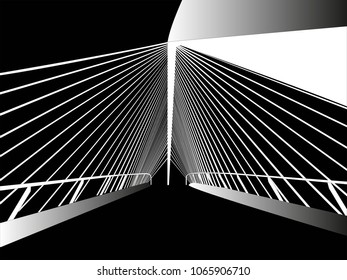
329,195
63,192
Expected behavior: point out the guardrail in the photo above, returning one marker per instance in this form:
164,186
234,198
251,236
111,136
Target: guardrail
20,227
271,188
109,184
267,176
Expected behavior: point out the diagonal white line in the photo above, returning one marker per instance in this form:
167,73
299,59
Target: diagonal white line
75,60
286,111
57,91
88,152
227,112
279,82
296,133
266,140
64,115
121,152
207,103
8,196
68,128
210,116
69,73
195,117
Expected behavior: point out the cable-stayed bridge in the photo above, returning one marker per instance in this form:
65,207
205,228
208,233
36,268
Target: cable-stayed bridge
82,133
95,128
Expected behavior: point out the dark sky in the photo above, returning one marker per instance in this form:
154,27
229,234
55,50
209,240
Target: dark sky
41,32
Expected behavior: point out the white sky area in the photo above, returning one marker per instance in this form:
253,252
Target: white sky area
314,60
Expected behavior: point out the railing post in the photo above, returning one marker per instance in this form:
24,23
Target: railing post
20,203
74,197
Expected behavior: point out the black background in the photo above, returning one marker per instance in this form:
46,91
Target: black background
161,222
41,32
